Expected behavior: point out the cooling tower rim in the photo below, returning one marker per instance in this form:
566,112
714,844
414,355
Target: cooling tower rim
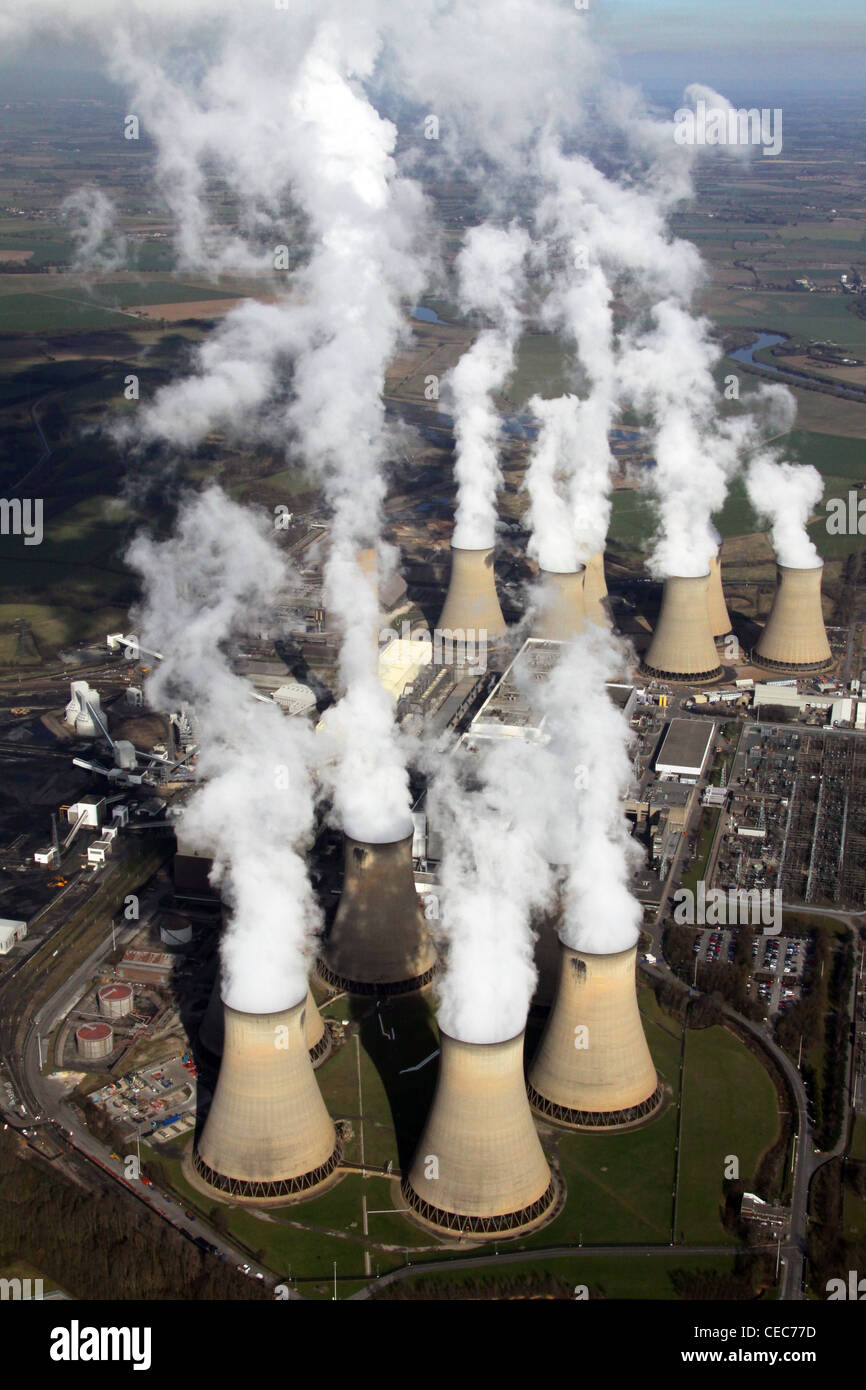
367,843
576,570
464,1042
705,574
600,955
474,549
263,1013
800,569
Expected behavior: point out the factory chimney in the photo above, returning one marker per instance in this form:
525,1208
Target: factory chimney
595,600
560,615
593,1068
379,942
720,620
794,638
472,604
268,1136
211,1028
479,1166
682,646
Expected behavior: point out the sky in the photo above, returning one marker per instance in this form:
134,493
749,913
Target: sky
684,25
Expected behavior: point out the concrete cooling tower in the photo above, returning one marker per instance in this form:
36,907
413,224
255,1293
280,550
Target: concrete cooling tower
267,1136
682,646
379,942
611,1081
210,1033
595,591
479,1166
794,638
560,613
472,602
720,620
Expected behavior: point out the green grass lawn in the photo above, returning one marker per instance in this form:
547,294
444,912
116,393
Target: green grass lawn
611,1276
857,1148
729,1107
709,821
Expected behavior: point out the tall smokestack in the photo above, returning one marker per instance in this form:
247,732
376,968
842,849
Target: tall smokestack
560,614
595,591
593,1068
720,620
682,646
379,942
479,1166
794,638
267,1136
472,604
212,1028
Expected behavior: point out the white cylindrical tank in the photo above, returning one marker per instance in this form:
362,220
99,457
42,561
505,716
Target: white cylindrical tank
115,1000
95,1041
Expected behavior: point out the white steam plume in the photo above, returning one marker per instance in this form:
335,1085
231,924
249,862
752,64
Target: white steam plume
254,807
490,268
590,772
786,495
92,225
493,876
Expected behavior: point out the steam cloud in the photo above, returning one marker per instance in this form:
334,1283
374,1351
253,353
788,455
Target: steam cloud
786,494
254,807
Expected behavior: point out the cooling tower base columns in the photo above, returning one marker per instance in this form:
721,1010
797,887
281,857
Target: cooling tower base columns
515,1223
280,1193
365,987
596,1119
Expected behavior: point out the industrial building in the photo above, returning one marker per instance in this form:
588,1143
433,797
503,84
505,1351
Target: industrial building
479,1166
11,932
685,749
146,967
682,647
593,1067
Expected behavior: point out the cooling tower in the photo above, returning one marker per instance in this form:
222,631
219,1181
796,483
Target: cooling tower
720,621
472,603
611,1080
379,942
595,591
682,646
479,1166
210,1032
794,638
560,613
267,1136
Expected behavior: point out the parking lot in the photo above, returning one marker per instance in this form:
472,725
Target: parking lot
159,1097
777,964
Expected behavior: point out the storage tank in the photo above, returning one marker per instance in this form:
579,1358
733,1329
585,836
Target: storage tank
115,1000
95,1041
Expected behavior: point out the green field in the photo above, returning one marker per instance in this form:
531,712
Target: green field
729,1108
857,1148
